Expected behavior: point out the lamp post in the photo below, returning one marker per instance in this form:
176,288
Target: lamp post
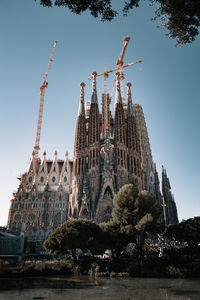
164,211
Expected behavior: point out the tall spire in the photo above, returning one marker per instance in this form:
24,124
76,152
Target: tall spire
81,110
55,155
130,105
80,136
34,163
118,98
119,121
94,120
94,88
171,210
132,135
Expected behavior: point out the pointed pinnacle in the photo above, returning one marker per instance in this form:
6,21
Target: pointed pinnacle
81,110
118,92
94,83
129,88
82,91
94,87
130,105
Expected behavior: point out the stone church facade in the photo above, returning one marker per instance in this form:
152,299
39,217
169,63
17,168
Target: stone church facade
110,150
106,156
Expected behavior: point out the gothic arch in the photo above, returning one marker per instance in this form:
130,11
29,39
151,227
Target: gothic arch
84,213
105,205
108,190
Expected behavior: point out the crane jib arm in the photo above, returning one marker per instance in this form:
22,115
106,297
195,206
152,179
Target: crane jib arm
42,93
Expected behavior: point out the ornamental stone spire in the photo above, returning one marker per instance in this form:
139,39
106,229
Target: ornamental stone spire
119,120
94,120
80,136
81,110
94,88
129,96
118,97
171,210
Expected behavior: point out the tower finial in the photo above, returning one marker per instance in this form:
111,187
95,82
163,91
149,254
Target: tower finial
94,83
94,87
118,98
129,91
82,91
81,110
129,88
130,105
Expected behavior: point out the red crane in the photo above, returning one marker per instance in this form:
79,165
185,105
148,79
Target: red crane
122,77
42,92
120,66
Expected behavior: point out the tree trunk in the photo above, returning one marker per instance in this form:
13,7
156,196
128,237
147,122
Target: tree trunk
74,254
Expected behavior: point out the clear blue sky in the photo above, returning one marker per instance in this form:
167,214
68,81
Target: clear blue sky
166,84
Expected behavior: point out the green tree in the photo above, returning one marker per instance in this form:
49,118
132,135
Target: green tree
113,238
180,17
186,231
134,210
74,234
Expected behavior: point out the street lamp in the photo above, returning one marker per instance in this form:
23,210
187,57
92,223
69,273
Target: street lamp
164,211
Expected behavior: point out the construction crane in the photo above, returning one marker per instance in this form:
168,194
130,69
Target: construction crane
120,64
116,69
105,73
121,80
42,92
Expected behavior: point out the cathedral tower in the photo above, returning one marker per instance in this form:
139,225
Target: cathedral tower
80,163
120,139
170,205
134,156
94,147
146,156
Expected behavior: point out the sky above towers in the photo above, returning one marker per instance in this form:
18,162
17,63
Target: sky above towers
166,84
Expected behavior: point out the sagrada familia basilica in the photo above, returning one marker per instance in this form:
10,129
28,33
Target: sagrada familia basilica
110,150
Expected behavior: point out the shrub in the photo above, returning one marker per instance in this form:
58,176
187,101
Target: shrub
94,269
176,272
46,266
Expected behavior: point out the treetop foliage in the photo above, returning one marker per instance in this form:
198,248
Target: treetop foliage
134,210
186,231
113,237
73,234
180,17
97,8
